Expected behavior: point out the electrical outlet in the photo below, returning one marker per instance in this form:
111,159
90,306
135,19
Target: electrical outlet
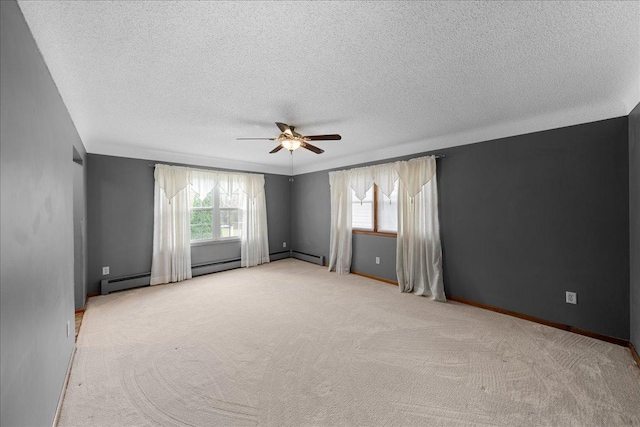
68,329
572,298
284,244
377,260
105,271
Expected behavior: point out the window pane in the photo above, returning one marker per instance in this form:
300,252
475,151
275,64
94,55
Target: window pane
195,217
230,200
207,217
235,221
204,214
362,212
201,217
196,202
388,211
195,232
207,201
207,231
230,225
224,223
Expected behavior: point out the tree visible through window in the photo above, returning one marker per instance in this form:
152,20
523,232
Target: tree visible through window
376,213
216,217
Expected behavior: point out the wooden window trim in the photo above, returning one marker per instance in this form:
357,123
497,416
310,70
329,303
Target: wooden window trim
375,231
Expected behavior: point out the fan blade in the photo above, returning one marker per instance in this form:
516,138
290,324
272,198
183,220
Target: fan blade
312,148
275,150
284,128
334,137
251,139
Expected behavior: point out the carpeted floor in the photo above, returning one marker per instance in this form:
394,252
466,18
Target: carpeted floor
289,344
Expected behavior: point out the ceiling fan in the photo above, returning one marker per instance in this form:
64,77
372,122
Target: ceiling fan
292,140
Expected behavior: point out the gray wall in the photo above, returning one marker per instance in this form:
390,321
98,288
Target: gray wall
634,223
311,213
120,212
365,250
523,219
120,217
36,273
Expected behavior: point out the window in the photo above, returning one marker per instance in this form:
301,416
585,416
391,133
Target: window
377,213
216,217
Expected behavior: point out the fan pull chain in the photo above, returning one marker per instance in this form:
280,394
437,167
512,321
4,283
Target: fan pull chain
291,163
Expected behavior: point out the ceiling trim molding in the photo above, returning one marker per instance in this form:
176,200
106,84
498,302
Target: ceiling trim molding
509,129
522,127
187,159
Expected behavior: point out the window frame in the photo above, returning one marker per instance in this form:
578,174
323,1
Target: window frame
375,231
215,220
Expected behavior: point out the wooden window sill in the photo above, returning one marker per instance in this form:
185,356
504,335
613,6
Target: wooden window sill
375,233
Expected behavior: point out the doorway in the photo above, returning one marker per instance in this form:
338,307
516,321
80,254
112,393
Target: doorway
79,231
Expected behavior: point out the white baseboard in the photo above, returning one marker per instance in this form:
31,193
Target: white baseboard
64,387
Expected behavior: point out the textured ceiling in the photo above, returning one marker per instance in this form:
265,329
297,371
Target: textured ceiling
179,81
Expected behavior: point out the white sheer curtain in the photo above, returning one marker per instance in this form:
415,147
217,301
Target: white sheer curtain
419,252
385,177
360,180
171,260
255,240
203,182
340,233
342,183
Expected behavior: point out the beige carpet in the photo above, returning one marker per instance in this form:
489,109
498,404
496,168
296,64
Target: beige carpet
289,344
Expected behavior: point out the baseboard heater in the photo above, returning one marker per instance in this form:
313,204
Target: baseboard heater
139,280
122,283
316,259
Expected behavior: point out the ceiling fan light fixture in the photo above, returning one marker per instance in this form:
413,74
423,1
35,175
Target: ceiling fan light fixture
292,140
291,144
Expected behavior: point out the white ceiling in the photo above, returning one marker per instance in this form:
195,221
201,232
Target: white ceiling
179,81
